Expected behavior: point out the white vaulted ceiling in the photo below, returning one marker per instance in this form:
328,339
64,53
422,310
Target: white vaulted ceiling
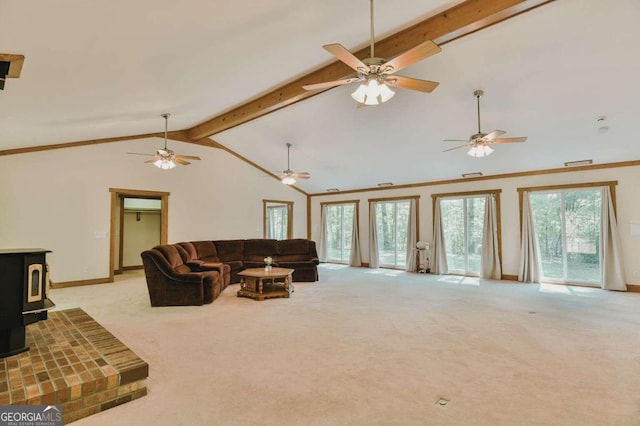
107,69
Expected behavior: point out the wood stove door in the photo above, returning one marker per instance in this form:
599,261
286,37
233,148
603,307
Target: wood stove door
34,286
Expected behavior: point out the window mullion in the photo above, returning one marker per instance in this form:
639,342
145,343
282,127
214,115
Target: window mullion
563,221
465,213
342,233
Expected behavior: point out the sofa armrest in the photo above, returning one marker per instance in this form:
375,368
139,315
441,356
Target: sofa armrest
212,266
194,265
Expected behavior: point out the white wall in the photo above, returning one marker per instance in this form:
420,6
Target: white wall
58,199
628,208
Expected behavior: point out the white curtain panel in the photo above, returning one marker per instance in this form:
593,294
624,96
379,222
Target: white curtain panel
355,257
612,265
374,262
412,238
271,227
490,256
439,258
322,242
529,270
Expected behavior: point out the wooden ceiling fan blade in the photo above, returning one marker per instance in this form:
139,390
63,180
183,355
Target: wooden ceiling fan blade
139,153
330,84
455,140
188,157
178,160
340,52
413,55
412,83
451,149
302,175
153,160
510,140
494,134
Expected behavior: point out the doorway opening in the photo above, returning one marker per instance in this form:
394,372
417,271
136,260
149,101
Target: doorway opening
139,221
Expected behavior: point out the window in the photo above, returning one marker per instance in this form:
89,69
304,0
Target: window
339,219
392,222
463,226
277,216
567,224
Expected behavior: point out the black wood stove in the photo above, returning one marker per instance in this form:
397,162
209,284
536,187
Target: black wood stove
24,283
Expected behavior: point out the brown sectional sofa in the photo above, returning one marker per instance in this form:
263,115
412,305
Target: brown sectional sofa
196,272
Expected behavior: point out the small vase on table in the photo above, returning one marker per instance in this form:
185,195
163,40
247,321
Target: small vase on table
268,261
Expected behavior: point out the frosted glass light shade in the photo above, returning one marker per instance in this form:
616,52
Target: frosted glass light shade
359,93
164,164
386,93
372,93
480,151
288,180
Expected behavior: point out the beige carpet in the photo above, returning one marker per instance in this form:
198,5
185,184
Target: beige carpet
378,347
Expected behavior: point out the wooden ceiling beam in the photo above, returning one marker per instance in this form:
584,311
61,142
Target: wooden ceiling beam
455,22
180,135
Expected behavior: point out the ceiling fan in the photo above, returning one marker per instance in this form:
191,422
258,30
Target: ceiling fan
165,158
289,177
377,74
480,143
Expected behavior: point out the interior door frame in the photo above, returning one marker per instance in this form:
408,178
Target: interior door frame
119,193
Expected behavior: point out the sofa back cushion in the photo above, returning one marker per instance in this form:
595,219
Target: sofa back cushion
206,250
257,249
293,258
172,254
229,250
292,247
189,253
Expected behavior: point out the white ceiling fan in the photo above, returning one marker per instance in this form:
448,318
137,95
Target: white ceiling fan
165,158
376,74
288,176
480,143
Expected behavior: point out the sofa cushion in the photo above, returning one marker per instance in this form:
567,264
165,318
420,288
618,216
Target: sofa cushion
173,256
295,246
229,250
256,250
205,249
189,251
294,258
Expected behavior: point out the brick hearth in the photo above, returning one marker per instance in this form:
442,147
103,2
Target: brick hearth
75,362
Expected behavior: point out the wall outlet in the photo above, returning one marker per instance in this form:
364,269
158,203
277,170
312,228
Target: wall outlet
636,274
100,235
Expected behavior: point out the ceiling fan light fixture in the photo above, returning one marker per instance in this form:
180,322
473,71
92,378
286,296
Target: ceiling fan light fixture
164,164
480,151
288,180
372,92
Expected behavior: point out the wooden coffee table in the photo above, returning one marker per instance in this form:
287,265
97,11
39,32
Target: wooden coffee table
259,284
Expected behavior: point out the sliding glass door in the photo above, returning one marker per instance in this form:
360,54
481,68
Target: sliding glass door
339,232
567,226
463,225
392,222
